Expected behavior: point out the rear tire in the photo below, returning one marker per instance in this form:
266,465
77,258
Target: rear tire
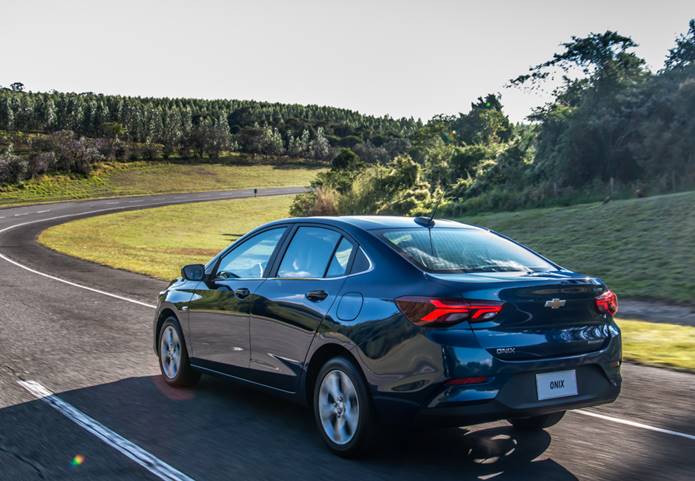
537,423
173,356
342,408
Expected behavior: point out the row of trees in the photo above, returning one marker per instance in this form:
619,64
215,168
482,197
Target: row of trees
205,127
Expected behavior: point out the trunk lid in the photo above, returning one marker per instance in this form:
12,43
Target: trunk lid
549,314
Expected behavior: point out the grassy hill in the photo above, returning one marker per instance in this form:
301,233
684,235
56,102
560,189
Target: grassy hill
111,179
643,248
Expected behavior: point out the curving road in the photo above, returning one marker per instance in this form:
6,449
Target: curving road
112,417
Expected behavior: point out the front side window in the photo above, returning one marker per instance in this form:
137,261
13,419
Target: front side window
463,250
250,259
309,252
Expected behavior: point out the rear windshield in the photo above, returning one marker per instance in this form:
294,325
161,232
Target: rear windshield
463,250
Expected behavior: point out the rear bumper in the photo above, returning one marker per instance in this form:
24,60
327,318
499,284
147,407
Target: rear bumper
517,397
510,392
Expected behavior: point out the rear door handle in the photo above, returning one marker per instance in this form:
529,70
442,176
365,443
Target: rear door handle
316,296
242,292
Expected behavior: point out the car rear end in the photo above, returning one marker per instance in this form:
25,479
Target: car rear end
519,336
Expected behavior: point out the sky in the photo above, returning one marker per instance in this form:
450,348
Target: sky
403,58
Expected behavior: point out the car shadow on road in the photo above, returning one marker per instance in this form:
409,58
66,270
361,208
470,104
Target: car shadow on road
223,430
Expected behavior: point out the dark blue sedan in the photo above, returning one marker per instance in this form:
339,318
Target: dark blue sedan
393,320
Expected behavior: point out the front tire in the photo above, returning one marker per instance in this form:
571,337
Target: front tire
173,356
342,408
537,423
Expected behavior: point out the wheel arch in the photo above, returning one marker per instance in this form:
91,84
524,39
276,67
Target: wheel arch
163,316
317,360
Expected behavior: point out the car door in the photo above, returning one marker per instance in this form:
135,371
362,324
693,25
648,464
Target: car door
220,308
290,305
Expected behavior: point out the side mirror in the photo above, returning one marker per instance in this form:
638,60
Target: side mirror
193,272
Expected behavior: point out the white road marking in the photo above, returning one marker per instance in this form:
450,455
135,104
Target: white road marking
131,450
97,211
74,284
633,424
43,211
19,215
64,281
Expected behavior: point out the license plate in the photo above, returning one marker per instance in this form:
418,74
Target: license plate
551,385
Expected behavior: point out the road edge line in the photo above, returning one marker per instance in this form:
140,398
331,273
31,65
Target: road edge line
129,449
633,424
74,284
116,209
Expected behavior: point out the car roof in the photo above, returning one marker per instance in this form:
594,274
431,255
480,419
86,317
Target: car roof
373,222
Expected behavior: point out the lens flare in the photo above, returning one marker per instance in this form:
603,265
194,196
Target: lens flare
77,460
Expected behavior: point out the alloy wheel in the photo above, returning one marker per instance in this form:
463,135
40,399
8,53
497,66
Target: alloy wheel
338,407
170,352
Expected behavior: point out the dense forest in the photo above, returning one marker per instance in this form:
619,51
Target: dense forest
613,128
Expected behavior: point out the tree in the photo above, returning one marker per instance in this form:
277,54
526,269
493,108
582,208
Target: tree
346,160
683,54
319,146
17,87
584,135
113,130
485,123
216,138
270,141
6,114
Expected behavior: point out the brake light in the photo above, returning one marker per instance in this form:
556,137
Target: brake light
427,311
607,303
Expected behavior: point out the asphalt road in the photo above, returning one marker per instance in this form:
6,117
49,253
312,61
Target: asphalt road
94,351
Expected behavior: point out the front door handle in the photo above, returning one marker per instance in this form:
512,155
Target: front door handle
316,296
242,292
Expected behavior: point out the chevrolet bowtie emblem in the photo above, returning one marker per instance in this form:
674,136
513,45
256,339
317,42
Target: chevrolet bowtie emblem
555,303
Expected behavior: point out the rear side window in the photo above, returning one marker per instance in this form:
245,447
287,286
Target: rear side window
463,250
309,253
341,257
361,263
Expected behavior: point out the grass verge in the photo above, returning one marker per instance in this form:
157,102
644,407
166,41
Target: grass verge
659,344
111,179
153,242
641,247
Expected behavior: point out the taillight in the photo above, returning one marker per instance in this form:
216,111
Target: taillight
427,311
607,303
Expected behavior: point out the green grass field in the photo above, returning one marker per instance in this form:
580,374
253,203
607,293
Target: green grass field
659,344
138,178
152,242
643,248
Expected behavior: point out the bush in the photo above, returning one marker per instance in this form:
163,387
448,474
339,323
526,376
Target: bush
151,151
74,155
13,169
40,163
321,201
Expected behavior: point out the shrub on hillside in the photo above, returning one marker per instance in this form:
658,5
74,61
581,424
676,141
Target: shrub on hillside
40,163
395,188
150,151
13,169
73,154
